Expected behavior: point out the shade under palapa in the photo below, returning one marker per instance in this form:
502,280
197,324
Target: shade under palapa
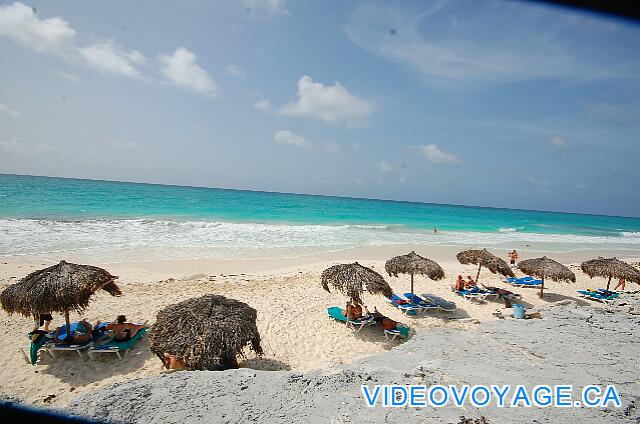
207,332
59,288
610,268
483,258
546,268
412,264
354,279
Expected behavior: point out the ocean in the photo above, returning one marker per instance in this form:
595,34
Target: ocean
82,219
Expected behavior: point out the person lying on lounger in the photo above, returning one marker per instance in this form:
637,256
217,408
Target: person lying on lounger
82,335
383,321
123,330
353,311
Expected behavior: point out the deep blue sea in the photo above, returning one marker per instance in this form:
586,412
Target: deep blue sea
46,216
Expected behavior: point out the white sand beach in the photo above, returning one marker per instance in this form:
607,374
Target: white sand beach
296,334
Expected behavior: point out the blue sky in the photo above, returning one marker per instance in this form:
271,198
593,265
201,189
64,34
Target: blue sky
492,103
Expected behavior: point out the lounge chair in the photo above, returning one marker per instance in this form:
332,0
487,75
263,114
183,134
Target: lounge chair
53,347
474,293
445,305
115,346
404,305
401,331
336,314
604,297
422,303
523,282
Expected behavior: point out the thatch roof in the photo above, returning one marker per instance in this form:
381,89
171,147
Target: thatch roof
611,267
547,268
59,288
415,264
206,333
487,260
353,279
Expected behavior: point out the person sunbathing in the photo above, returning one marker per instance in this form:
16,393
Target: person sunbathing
82,335
383,321
353,311
123,330
470,283
460,283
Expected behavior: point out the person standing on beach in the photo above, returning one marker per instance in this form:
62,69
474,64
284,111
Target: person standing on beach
435,230
513,258
621,283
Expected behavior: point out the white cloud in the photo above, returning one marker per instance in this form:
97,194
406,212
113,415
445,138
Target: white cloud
20,23
136,57
108,57
17,147
69,77
385,167
559,142
434,154
182,70
266,8
330,103
287,137
330,147
541,43
235,71
263,105
7,111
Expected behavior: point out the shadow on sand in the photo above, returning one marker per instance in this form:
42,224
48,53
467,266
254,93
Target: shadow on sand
65,365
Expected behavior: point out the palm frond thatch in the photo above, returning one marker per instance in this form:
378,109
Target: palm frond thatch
610,268
58,288
483,258
546,268
207,332
353,279
413,264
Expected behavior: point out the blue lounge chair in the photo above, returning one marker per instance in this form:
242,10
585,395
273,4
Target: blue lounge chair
335,313
115,346
401,331
598,296
445,305
418,301
527,281
474,293
404,305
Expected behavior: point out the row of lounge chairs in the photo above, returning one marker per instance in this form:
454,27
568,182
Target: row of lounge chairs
599,295
357,325
411,304
527,281
105,344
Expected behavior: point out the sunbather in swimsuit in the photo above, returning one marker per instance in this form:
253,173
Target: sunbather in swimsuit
123,330
82,334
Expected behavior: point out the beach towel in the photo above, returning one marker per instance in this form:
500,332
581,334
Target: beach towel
336,313
38,339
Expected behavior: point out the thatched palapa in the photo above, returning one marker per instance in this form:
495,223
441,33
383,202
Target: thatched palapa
610,268
486,259
412,264
206,333
58,288
546,268
353,279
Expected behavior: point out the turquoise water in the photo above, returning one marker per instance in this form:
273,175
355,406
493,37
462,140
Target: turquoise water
43,215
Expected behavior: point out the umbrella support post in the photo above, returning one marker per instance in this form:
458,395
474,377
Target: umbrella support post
609,282
542,289
411,283
478,273
66,321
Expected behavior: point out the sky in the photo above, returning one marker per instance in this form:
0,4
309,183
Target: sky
485,103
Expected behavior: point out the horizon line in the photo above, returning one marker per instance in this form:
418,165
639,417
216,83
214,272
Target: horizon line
320,195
